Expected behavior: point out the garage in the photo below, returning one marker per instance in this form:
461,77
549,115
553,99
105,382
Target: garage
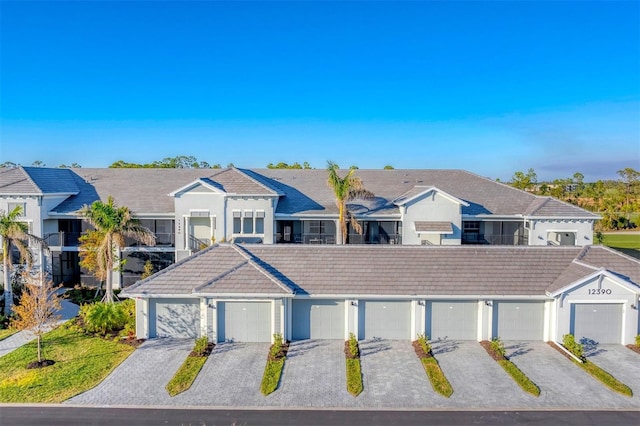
600,322
384,320
178,318
317,319
452,320
244,321
513,320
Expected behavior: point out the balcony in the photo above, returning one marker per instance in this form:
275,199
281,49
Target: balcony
378,239
62,239
163,239
496,240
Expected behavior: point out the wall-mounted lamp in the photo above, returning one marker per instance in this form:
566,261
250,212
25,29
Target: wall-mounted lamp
354,303
634,306
211,305
488,302
420,302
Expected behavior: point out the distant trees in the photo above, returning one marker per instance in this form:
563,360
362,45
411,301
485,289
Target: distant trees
296,165
178,162
524,181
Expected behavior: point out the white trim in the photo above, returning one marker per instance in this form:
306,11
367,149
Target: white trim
479,312
193,184
427,190
601,272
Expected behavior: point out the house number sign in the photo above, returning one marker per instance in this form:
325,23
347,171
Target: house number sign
599,291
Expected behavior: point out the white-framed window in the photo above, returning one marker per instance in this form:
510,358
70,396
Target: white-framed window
12,206
248,222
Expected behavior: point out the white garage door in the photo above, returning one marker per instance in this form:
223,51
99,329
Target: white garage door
518,320
600,322
317,319
453,320
244,321
384,319
174,318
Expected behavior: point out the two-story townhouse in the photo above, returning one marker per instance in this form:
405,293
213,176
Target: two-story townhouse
190,209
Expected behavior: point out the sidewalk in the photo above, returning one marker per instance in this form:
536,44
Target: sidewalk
68,311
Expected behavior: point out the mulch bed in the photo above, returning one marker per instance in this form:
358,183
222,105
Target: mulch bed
206,352
495,355
420,352
40,364
347,351
634,348
557,348
133,342
284,348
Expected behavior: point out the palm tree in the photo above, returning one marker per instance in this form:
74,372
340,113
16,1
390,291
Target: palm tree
346,189
16,234
113,224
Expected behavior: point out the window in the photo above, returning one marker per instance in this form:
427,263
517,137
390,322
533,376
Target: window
23,207
247,225
316,227
248,222
259,225
237,224
472,227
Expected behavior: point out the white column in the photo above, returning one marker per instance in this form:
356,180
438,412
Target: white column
186,232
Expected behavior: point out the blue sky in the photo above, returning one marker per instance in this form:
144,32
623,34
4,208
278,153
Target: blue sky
491,87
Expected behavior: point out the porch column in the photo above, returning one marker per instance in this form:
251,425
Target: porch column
186,232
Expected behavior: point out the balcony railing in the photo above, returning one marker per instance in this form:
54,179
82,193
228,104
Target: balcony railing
496,240
380,239
197,244
66,239
162,239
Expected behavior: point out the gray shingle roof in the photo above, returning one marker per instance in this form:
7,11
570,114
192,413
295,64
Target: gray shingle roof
613,260
37,181
550,207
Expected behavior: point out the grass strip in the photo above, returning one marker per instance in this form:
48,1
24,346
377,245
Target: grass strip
81,362
7,332
436,376
606,378
186,374
271,376
520,378
354,376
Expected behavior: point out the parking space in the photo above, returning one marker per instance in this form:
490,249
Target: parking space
393,376
314,376
478,381
562,383
619,361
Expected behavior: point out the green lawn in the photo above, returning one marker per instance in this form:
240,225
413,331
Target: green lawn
81,363
625,242
7,332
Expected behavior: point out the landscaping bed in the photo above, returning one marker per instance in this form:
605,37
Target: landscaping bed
438,380
634,348
190,368
496,351
81,362
275,365
354,368
598,373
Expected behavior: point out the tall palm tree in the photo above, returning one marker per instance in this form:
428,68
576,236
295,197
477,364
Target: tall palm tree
16,234
346,189
113,224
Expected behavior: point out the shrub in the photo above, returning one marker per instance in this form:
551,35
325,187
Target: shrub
103,318
277,346
354,377
81,295
353,345
569,342
498,347
129,309
638,340
423,341
201,345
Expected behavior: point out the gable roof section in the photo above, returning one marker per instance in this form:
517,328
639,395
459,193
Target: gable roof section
613,260
215,270
418,191
37,181
551,207
205,182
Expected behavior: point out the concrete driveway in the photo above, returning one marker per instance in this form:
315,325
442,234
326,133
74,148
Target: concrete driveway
562,383
619,361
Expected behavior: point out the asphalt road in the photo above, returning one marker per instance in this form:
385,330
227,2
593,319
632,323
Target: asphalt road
56,415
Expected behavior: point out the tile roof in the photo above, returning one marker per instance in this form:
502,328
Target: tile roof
613,260
372,270
36,181
551,207
435,227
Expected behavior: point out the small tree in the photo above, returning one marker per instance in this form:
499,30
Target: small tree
148,270
38,307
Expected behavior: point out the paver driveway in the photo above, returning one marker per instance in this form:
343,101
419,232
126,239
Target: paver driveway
393,376
562,383
619,361
141,378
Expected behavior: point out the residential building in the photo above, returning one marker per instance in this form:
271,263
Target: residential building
191,209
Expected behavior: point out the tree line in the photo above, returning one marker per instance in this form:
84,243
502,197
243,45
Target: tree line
617,201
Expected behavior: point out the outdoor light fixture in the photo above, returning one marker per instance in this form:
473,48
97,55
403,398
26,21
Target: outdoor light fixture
421,302
488,302
354,303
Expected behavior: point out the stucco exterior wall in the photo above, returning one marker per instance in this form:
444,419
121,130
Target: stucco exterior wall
594,291
540,228
432,207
